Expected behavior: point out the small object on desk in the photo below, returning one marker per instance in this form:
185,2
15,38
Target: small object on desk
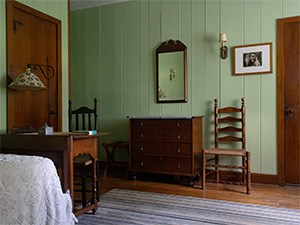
22,130
45,130
84,132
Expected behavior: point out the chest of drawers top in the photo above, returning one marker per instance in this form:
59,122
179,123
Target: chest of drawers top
162,122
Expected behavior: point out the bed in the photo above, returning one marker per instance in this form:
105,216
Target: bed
31,193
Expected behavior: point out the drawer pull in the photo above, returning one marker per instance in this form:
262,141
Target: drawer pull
142,135
142,163
178,150
178,165
160,158
142,148
142,124
178,136
178,124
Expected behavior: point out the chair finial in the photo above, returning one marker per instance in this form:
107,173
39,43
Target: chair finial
216,101
243,101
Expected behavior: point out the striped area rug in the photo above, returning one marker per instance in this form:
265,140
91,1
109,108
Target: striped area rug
134,207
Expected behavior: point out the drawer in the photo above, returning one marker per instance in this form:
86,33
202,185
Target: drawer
148,134
162,164
162,123
162,148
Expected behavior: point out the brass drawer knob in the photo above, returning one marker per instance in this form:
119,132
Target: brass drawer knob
142,124
178,150
142,135
142,148
178,136
178,166
178,124
142,163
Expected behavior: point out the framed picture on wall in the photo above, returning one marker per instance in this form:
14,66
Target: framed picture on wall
252,59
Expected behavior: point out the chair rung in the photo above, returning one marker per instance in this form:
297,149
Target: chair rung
229,119
229,129
226,166
229,138
227,182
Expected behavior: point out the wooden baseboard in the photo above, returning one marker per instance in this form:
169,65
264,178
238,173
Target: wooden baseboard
265,178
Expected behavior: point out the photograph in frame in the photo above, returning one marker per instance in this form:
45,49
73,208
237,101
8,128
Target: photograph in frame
252,59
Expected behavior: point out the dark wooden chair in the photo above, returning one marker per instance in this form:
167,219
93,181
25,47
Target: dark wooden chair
84,118
229,127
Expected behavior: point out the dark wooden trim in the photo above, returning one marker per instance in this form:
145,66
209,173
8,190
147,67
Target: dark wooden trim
280,96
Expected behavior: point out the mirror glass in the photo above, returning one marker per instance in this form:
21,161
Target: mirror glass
171,72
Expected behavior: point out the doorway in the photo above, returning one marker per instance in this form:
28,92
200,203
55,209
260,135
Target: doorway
288,99
33,38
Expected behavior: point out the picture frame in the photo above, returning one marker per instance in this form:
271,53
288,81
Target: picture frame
252,59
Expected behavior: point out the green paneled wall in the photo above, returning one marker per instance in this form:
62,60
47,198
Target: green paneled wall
57,9
113,59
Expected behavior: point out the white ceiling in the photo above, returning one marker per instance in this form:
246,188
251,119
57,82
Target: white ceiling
82,4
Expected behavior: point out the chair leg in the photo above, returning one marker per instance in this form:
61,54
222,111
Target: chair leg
108,160
217,170
248,173
203,180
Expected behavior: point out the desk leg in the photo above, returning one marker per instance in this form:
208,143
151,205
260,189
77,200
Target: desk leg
95,180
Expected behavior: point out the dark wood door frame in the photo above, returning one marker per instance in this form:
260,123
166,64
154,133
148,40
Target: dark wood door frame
58,68
280,97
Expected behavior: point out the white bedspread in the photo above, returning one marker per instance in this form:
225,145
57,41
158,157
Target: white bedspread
30,192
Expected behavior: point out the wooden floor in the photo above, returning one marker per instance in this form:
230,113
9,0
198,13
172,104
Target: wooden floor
271,195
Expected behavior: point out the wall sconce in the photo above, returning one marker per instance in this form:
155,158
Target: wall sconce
223,49
28,81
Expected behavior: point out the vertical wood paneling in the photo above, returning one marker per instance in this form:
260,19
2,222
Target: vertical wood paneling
154,42
268,89
145,54
118,89
107,66
231,17
251,35
131,45
131,31
291,8
170,30
91,54
212,68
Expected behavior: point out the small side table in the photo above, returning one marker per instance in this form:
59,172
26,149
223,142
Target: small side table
110,149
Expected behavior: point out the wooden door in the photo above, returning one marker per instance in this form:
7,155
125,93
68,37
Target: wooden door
33,38
288,100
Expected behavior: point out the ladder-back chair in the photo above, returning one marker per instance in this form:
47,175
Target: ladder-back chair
85,119
229,127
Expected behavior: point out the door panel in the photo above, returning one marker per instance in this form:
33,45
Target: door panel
291,101
34,38
288,55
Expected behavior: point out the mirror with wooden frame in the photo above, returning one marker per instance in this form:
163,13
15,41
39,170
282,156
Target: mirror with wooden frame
171,72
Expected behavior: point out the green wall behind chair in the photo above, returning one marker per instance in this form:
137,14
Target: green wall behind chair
113,59
54,8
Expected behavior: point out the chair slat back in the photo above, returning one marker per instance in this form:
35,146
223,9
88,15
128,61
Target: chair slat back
230,124
84,117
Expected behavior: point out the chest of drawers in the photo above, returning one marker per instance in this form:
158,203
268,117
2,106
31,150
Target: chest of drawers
166,145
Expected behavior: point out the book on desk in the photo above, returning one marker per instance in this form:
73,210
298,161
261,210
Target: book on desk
84,132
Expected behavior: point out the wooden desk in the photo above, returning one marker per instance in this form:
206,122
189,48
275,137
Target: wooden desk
61,148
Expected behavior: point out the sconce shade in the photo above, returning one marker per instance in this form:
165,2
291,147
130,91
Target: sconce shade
27,82
223,37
